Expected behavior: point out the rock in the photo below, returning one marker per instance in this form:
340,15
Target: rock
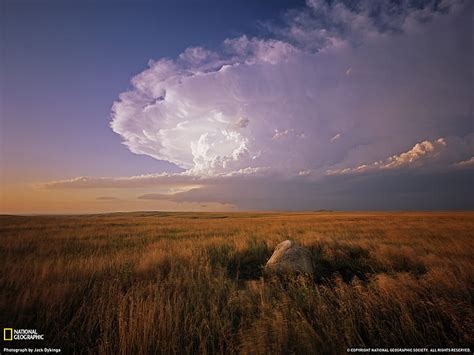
290,258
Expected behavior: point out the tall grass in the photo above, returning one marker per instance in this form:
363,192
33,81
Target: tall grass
192,283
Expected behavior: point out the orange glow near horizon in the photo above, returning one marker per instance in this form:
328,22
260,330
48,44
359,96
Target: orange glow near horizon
29,199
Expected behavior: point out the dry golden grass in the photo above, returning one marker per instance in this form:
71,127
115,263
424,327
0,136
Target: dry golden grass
181,283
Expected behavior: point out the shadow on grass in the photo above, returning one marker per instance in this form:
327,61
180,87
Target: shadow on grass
344,261
244,264
330,262
349,261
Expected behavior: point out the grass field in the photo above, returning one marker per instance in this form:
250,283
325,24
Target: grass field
151,282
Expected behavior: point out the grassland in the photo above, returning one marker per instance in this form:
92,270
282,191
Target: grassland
191,283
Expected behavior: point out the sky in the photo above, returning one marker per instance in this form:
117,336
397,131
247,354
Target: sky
209,105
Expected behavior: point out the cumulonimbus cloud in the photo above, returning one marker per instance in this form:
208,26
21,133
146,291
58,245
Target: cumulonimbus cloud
345,97
291,104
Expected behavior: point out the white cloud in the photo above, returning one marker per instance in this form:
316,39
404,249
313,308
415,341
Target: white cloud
465,163
171,181
336,137
276,103
174,182
255,122
415,157
304,172
281,134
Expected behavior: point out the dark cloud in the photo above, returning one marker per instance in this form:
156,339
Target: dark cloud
395,190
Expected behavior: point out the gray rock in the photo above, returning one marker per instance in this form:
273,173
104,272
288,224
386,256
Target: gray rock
290,258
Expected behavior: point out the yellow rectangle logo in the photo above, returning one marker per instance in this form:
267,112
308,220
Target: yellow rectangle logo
7,334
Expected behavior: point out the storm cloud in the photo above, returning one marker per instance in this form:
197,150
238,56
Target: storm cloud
330,91
378,85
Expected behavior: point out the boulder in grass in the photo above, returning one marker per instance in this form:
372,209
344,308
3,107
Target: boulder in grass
289,258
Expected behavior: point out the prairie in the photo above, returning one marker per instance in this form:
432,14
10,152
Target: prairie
165,283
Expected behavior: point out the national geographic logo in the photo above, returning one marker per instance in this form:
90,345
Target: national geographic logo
7,334
21,334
